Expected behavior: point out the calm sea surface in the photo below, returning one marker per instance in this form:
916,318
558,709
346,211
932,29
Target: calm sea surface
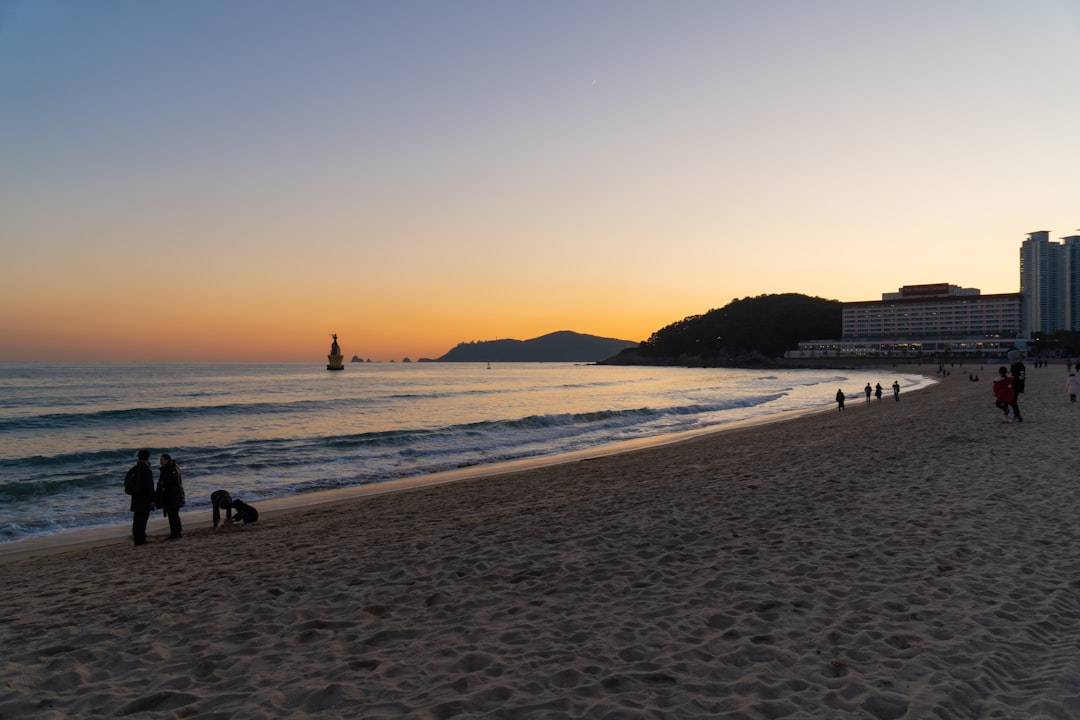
69,432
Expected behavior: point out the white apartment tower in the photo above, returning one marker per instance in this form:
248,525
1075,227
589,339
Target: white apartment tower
1050,283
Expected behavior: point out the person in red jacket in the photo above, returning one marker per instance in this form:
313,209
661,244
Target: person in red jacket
1003,392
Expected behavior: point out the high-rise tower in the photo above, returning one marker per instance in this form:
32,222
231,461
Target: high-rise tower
1038,266
1071,271
1050,283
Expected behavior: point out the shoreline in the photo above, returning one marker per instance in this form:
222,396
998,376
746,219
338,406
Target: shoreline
98,536
893,561
37,546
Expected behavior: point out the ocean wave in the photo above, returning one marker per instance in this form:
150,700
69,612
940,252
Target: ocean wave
142,415
271,433
25,489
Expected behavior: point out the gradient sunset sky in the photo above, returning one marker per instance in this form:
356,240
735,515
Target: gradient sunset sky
235,180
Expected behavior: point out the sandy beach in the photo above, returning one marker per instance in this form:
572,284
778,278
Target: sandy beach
896,560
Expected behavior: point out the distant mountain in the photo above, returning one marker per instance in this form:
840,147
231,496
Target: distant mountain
562,346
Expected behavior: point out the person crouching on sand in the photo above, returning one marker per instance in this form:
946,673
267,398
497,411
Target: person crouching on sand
221,500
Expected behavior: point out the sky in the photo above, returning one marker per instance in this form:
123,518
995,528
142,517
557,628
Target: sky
234,180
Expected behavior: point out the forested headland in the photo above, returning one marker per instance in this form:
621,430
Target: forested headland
752,331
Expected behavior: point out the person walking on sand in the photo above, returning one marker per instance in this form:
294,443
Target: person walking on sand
1003,392
139,484
840,399
221,500
170,494
1017,371
1072,386
896,390
877,392
869,391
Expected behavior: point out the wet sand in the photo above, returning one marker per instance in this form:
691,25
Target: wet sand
896,560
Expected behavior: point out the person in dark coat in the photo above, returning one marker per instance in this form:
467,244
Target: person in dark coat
1017,371
244,512
142,497
220,500
170,494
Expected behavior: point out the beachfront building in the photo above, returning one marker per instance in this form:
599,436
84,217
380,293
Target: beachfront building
1050,283
925,320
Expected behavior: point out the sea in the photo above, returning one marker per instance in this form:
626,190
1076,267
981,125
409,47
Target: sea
69,432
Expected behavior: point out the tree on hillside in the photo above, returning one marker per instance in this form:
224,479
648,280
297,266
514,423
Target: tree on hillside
766,325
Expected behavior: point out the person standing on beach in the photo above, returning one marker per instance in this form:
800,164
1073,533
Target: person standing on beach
170,494
877,392
840,399
1072,386
142,496
896,390
1003,392
868,390
1017,371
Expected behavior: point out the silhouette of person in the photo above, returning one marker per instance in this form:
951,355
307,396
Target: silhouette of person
142,497
1017,371
1003,392
220,500
170,494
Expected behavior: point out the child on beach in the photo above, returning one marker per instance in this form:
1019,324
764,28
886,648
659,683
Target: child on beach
1003,392
1072,386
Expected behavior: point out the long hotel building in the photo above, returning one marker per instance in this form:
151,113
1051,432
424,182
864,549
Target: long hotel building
926,320
946,319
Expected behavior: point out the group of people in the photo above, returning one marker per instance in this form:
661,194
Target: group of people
168,496
1009,385
875,391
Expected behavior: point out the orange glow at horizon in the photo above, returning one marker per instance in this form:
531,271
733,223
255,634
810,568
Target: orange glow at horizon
416,180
